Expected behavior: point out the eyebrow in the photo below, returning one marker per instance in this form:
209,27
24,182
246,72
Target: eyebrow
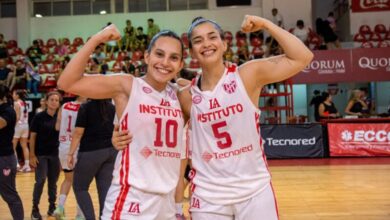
210,33
174,54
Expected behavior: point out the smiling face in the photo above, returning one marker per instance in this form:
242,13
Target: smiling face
207,44
164,60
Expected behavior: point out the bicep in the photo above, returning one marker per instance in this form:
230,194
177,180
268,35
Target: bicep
270,70
100,86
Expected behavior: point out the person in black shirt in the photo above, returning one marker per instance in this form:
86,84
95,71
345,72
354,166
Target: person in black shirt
44,153
327,109
96,156
316,101
7,157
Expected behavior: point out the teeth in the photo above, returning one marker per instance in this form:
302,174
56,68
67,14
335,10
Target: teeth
163,70
208,52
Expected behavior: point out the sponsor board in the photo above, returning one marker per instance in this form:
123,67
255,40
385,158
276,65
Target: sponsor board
356,139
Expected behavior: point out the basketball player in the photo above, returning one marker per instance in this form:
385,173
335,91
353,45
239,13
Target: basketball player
66,120
21,128
230,177
146,171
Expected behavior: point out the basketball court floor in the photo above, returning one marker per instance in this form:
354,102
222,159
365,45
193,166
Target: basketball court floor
306,189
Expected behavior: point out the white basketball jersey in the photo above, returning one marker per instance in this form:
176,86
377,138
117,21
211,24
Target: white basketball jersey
226,147
68,121
151,162
23,120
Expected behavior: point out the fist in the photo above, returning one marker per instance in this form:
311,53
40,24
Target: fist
252,23
109,33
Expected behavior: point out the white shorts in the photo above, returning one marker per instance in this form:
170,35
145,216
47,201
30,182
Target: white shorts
138,204
261,206
63,152
21,130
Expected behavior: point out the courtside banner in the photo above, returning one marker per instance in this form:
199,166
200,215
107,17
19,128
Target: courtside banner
292,140
358,139
370,5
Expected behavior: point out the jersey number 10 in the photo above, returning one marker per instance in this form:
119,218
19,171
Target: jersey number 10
170,133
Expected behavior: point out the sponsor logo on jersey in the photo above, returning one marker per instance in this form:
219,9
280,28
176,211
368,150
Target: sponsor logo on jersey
207,156
164,102
230,87
291,142
381,136
147,90
72,107
196,99
146,152
134,208
160,110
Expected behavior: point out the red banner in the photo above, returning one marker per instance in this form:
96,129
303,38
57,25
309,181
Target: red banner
359,139
370,5
347,65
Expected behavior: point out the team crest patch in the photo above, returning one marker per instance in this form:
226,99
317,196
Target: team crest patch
230,87
147,90
196,99
6,172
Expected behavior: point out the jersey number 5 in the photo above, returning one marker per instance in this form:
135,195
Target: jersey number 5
170,133
225,139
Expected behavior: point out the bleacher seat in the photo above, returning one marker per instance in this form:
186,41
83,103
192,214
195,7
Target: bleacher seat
12,44
367,44
185,40
78,41
51,42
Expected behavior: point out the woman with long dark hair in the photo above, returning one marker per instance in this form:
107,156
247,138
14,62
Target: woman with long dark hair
7,157
44,153
96,156
21,128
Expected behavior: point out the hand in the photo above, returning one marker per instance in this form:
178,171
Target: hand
252,23
70,160
109,33
121,139
34,161
181,82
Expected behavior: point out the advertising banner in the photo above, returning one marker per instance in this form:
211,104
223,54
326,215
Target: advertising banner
293,140
370,5
359,139
346,65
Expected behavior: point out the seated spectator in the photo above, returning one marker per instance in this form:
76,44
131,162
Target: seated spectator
142,38
61,49
3,47
368,100
33,78
128,66
257,34
153,28
34,53
302,32
326,32
20,75
327,109
6,74
356,105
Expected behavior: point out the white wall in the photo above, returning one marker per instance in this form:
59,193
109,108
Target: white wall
291,10
86,25
8,28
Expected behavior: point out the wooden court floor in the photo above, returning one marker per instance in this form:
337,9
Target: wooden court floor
320,189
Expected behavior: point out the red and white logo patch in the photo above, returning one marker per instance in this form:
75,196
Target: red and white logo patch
230,87
146,152
147,90
6,172
206,156
196,99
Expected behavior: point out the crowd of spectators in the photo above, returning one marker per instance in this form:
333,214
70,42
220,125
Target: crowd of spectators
38,68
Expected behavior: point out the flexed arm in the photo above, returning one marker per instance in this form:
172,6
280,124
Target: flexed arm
94,86
277,68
